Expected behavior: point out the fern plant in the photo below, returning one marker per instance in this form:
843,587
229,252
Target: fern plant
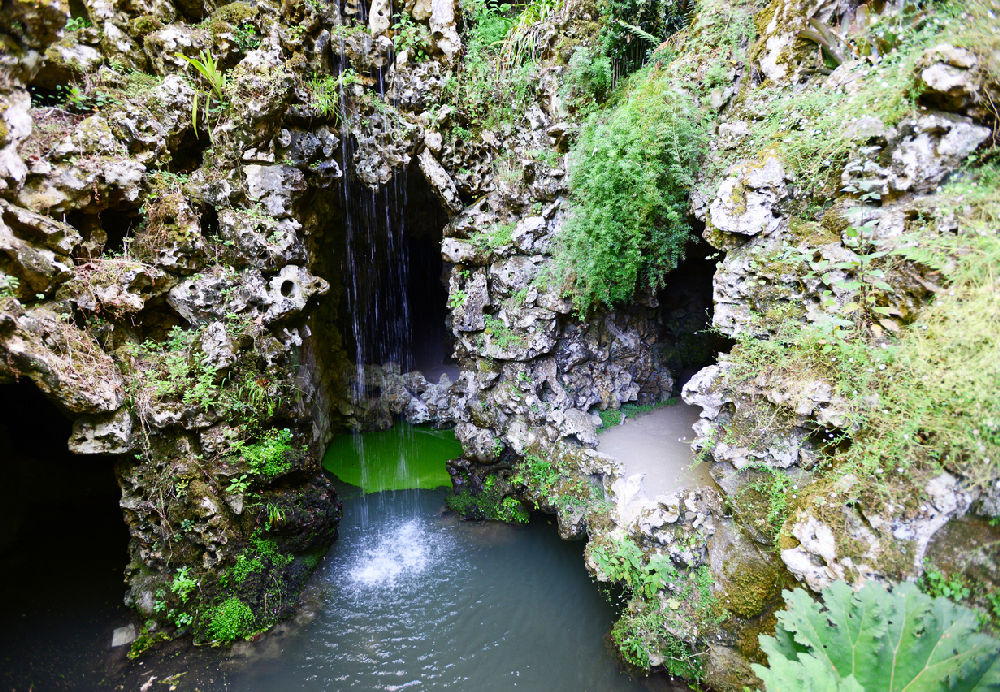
630,173
872,640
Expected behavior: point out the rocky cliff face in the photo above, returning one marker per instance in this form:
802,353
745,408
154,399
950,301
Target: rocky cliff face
157,279
827,157
182,187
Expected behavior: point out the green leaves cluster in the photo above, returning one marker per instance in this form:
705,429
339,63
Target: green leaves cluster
622,560
230,620
632,29
873,640
269,457
631,171
491,97
410,36
491,503
589,79
209,69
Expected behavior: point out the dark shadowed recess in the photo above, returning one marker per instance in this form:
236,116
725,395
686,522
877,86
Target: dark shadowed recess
686,341
62,550
384,251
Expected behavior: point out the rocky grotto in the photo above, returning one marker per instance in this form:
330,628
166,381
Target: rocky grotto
231,232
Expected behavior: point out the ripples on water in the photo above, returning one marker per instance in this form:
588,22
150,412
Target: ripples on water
414,599
408,598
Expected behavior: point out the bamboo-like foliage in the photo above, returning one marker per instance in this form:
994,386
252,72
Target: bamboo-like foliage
522,41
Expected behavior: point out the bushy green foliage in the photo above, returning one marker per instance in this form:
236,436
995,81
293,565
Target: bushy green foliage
178,368
325,91
494,237
632,29
268,549
631,171
588,79
522,42
502,336
269,456
872,640
491,503
632,637
410,36
183,584
937,585
537,473
230,620
245,566
622,560
491,97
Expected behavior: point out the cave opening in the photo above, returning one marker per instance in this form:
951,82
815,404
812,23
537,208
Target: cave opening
687,343
380,251
63,546
397,295
104,232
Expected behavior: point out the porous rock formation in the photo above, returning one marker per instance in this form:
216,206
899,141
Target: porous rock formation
178,293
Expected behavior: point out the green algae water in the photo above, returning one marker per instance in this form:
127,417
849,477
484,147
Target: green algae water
401,458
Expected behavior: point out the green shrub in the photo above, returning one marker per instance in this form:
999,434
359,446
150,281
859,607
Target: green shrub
245,566
491,503
634,635
631,172
411,37
588,79
269,457
230,620
632,29
490,97
183,584
873,640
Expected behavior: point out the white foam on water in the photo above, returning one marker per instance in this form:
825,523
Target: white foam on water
403,550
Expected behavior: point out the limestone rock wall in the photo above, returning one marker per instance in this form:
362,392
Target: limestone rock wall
156,280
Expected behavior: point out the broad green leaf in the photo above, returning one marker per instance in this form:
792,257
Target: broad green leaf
903,641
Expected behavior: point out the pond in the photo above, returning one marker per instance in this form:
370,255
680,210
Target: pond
408,597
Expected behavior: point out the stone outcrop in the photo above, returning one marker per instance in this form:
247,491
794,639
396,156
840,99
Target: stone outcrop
172,275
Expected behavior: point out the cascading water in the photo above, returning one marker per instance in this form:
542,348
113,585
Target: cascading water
377,259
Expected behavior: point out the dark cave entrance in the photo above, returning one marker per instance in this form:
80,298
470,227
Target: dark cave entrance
686,340
104,232
63,547
396,295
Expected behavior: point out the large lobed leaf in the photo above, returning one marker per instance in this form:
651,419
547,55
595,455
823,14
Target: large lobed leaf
876,641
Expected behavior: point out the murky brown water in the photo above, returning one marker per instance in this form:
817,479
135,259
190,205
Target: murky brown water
658,444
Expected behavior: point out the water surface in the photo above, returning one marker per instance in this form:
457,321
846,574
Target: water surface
405,456
657,444
411,597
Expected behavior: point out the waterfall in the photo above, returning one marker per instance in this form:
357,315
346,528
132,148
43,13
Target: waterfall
377,263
